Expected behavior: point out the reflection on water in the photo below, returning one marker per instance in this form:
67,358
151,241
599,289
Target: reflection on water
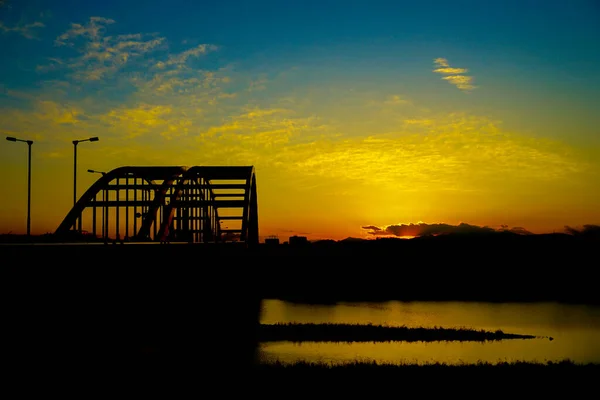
575,329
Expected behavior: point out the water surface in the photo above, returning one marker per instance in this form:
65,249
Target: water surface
574,328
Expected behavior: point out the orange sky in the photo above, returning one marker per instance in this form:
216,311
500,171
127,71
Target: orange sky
363,129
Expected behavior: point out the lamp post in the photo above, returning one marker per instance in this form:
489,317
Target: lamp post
91,171
75,143
29,143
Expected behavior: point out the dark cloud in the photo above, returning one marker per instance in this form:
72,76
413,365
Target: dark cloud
423,229
586,230
372,228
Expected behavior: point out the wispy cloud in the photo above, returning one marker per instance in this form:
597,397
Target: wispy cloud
442,62
181,58
437,155
101,55
143,119
26,30
93,30
454,76
396,100
259,129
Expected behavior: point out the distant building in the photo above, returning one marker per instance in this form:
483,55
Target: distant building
272,240
298,240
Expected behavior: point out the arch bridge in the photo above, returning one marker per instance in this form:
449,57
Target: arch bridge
199,204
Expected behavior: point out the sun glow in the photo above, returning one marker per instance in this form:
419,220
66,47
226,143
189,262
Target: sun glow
410,133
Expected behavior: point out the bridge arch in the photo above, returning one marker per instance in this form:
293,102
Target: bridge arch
195,204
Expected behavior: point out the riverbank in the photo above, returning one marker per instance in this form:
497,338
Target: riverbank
372,366
513,377
371,380
329,332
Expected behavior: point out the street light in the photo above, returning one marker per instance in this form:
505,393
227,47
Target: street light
104,210
75,143
29,143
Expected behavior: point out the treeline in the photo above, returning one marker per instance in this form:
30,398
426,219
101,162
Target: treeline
498,267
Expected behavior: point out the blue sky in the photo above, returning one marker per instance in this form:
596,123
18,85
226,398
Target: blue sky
535,48
273,83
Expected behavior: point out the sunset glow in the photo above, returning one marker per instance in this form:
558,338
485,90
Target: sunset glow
355,115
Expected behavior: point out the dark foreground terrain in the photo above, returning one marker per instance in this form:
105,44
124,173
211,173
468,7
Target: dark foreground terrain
193,310
369,380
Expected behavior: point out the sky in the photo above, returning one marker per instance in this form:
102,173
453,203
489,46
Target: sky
361,118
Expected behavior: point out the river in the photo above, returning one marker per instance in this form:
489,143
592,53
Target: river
575,330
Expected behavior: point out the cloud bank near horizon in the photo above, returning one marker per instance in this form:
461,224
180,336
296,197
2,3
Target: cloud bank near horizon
424,229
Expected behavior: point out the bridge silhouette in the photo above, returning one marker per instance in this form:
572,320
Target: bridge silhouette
199,204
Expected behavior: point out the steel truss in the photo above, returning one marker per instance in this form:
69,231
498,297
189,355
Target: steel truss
199,204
